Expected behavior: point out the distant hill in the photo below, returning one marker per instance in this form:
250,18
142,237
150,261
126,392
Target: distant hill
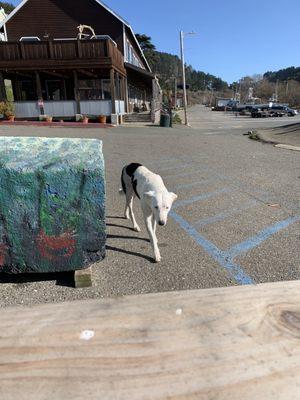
286,74
167,66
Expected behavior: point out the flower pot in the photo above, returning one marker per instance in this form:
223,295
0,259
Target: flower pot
102,119
85,120
49,119
11,118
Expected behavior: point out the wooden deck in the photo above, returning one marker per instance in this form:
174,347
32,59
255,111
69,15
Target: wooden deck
60,54
229,343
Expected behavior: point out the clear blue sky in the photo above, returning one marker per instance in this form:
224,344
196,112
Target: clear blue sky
234,38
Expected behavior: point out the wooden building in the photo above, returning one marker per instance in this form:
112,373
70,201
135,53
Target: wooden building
45,58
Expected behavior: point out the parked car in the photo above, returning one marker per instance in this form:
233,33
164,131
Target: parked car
276,113
259,113
291,112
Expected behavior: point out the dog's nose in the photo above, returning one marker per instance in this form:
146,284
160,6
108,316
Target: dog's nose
161,223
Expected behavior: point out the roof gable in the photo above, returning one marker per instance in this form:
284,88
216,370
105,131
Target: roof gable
3,22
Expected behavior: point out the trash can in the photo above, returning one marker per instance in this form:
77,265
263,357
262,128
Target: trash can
165,121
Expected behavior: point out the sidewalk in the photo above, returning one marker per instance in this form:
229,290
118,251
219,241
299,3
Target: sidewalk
287,136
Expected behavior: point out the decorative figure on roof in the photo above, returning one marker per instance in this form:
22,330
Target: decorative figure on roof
81,28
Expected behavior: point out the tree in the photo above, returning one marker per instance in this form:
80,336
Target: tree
168,67
148,48
8,7
145,42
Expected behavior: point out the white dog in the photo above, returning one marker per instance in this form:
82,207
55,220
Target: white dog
156,200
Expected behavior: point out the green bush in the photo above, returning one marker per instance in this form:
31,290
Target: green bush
176,119
7,108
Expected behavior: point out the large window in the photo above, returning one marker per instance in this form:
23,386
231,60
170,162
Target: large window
131,56
94,89
55,90
27,90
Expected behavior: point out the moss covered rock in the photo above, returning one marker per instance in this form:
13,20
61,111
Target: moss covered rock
52,204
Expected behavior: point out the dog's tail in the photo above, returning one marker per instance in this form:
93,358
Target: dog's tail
122,190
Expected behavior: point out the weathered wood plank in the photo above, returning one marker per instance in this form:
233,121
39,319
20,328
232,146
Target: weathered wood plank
230,343
83,278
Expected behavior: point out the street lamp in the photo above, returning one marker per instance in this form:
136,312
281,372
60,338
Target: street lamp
182,35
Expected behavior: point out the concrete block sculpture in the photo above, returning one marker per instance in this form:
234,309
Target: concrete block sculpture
52,204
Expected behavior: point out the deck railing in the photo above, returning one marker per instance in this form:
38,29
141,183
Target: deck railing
94,49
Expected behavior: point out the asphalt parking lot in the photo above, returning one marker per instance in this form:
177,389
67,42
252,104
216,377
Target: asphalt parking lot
236,220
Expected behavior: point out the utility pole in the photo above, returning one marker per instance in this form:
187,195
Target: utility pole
276,91
183,77
182,34
175,92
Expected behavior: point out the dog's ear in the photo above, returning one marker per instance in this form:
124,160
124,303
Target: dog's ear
150,194
173,196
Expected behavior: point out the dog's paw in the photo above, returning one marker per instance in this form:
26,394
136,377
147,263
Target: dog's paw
137,229
157,259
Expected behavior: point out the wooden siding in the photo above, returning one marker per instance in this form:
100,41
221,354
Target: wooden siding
60,54
60,18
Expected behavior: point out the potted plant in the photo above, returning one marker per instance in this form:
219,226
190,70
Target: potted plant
49,118
85,119
7,109
102,119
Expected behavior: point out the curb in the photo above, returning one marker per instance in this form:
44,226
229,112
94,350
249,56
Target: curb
254,135
57,124
287,147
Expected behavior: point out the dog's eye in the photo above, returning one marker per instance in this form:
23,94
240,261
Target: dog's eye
156,207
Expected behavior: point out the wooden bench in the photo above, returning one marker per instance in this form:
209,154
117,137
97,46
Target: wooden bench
239,343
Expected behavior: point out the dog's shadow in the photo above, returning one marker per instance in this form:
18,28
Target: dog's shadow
125,237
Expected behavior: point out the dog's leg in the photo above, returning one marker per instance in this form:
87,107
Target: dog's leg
129,197
126,212
132,217
152,235
154,224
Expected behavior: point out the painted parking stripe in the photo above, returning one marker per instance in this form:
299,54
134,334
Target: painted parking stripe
223,215
204,196
234,270
256,240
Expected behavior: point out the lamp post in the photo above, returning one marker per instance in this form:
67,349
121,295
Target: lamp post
182,35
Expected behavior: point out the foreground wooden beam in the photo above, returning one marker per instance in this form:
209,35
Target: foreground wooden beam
230,343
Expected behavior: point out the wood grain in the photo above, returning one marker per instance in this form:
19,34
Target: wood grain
236,343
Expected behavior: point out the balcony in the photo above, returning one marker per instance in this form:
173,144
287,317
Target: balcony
60,54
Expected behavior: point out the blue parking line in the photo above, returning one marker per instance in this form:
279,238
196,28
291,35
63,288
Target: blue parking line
223,215
256,240
204,196
218,255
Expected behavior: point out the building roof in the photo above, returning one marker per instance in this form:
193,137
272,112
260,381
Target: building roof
3,22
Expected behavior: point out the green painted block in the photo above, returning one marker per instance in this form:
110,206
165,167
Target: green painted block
52,204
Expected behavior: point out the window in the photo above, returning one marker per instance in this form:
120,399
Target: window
106,89
54,90
94,89
131,56
27,90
